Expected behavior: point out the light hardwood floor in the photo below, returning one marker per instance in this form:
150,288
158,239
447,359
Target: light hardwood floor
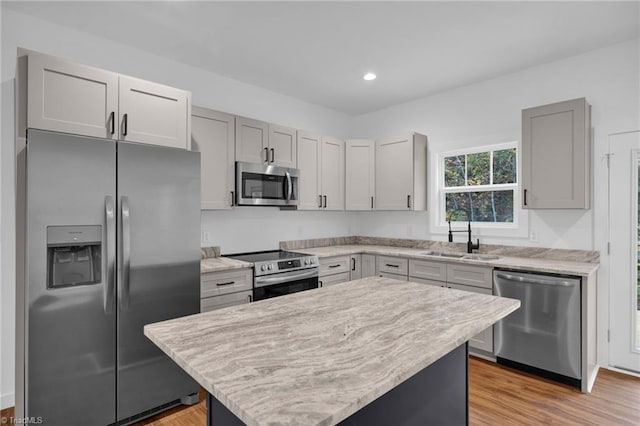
502,396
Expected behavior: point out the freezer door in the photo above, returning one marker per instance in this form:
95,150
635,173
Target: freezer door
70,322
158,268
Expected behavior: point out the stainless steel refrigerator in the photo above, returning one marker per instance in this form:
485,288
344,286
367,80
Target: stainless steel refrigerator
108,241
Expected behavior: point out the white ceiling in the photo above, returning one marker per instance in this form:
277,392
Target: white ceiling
319,51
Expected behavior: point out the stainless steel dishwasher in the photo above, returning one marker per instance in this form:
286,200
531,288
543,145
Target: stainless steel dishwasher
544,335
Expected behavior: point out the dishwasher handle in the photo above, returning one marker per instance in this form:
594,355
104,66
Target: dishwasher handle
560,283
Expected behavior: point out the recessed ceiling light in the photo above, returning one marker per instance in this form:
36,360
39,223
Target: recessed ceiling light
369,76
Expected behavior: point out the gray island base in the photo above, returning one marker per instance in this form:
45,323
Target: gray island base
371,351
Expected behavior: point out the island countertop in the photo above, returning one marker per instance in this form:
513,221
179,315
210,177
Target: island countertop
318,356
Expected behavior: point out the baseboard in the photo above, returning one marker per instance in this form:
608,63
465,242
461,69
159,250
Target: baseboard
7,400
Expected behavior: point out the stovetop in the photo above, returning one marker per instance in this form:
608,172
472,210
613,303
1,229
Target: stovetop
277,261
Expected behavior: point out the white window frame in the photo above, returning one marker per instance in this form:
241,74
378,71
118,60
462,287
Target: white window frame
442,190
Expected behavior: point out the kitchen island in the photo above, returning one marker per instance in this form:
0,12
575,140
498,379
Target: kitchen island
373,350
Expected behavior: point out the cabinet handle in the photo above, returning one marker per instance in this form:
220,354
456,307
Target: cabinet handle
232,199
125,120
112,119
391,265
408,201
325,201
250,298
372,202
273,155
319,283
266,155
525,197
319,201
334,266
353,263
223,284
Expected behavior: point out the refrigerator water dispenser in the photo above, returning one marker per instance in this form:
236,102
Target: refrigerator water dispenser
74,255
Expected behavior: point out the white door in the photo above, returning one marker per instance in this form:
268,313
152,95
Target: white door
308,152
153,113
394,174
252,140
360,177
212,135
624,317
332,165
282,146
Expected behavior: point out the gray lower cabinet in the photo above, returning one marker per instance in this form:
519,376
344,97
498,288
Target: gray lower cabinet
226,288
394,276
476,279
355,272
334,270
393,265
368,265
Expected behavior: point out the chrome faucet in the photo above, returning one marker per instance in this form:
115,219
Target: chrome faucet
470,245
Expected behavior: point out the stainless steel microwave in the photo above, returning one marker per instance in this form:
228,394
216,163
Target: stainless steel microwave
264,185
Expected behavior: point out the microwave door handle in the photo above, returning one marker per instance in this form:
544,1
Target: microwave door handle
289,186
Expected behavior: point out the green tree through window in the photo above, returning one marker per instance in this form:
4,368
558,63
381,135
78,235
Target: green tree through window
480,186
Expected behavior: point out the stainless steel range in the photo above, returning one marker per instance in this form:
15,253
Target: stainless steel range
280,272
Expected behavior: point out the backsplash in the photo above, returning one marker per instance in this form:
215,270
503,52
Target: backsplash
209,252
587,256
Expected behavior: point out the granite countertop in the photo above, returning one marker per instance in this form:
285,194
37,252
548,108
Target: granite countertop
217,264
568,267
316,357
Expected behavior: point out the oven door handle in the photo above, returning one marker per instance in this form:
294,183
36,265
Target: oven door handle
265,281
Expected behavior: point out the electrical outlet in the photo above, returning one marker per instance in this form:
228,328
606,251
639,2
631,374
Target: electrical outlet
206,237
533,236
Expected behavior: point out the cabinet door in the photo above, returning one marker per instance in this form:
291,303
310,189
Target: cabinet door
70,98
427,281
484,339
477,276
368,265
252,140
153,113
427,269
394,276
332,166
556,155
394,174
224,282
308,152
328,280
356,266
282,146
334,265
212,135
218,302
393,265
360,175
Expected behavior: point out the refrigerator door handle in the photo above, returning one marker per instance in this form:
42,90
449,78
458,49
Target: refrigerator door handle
110,247
123,294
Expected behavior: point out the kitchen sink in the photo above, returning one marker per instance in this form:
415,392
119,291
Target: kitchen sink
481,257
441,254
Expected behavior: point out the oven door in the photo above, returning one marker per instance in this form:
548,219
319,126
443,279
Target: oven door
275,285
260,185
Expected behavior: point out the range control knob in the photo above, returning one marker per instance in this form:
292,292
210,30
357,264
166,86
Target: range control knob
270,267
263,268
311,262
307,262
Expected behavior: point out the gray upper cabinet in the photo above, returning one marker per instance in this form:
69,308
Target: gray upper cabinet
212,134
282,146
332,172
401,173
153,113
252,140
360,174
82,100
308,153
556,156
71,98
262,142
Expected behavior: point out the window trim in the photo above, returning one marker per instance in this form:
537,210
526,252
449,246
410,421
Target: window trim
442,190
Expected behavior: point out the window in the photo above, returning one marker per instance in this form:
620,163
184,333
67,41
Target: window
479,185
